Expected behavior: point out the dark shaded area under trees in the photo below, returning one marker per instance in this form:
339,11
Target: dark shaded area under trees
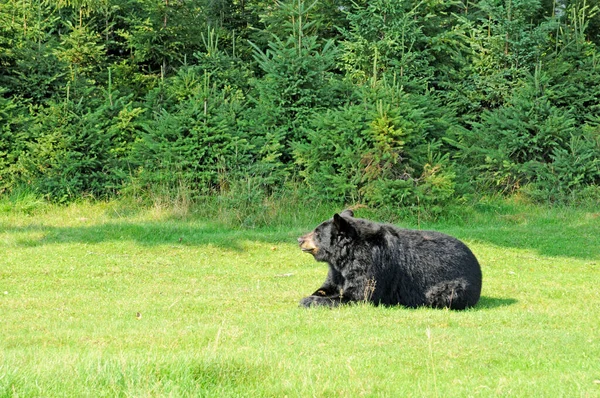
379,102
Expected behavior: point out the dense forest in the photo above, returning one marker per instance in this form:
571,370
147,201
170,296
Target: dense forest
379,102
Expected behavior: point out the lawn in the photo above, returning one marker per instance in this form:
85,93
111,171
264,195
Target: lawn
106,300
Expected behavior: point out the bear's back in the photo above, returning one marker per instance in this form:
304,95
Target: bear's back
416,267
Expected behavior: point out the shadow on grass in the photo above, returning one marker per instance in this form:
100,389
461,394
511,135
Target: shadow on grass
488,303
182,233
576,241
575,234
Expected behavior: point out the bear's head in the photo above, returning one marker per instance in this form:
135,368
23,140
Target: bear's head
328,238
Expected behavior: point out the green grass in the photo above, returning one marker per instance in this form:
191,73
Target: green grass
105,300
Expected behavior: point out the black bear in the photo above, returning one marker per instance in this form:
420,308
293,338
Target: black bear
383,264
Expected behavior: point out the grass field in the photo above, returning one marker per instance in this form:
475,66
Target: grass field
104,300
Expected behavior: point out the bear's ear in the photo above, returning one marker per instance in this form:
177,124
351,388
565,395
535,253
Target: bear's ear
342,224
348,213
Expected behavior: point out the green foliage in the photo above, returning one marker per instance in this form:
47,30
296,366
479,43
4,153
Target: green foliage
406,103
160,35
192,138
14,122
330,159
535,143
505,42
385,38
297,81
383,154
573,167
82,51
75,150
527,130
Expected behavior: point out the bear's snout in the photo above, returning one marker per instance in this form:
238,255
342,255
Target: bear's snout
307,243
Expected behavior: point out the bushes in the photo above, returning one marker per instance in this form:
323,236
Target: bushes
74,151
13,122
405,104
573,167
193,138
536,141
382,151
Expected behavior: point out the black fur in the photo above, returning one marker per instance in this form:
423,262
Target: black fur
386,265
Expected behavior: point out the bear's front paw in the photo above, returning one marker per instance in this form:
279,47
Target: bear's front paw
309,301
314,301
